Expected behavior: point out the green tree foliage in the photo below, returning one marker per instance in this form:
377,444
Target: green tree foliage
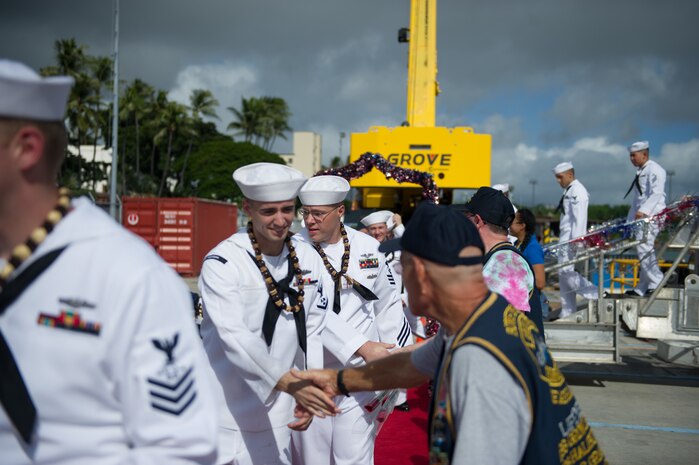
213,163
595,213
165,148
602,213
158,138
261,120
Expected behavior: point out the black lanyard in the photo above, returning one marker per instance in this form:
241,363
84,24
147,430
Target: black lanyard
14,395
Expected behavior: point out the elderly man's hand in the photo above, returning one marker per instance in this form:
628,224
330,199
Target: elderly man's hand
372,350
310,397
323,379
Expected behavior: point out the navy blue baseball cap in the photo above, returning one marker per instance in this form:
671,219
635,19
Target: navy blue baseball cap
438,234
492,206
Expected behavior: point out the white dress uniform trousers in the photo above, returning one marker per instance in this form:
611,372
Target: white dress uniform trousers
106,343
253,415
348,438
651,201
573,224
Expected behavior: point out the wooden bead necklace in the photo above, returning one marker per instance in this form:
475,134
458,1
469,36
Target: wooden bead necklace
23,251
271,284
345,258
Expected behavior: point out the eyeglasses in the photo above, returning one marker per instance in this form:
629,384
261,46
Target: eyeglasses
317,216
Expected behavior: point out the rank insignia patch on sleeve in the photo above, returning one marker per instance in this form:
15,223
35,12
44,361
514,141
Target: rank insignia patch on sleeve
172,389
218,258
391,279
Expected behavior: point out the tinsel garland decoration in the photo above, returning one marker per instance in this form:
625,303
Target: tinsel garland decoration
369,160
612,232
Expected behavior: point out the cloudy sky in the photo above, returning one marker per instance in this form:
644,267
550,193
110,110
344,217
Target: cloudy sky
551,80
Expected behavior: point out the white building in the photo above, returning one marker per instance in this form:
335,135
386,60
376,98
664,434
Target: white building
307,153
101,155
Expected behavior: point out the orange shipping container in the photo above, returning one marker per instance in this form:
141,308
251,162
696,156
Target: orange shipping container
182,230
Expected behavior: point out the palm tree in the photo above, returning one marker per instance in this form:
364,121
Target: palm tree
135,105
202,102
71,61
70,57
157,106
277,116
261,120
172,118
80,112
101,74
247,118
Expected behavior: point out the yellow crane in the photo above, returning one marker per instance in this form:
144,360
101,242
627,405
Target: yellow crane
457,157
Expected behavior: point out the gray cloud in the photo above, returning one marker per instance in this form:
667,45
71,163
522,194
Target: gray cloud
544,77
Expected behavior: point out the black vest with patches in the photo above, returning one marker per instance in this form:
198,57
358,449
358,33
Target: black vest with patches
559,433
535,312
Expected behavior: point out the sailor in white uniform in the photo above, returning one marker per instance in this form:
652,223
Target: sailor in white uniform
265,297
369,309
377,223
573,224
648,189
383,225
100,362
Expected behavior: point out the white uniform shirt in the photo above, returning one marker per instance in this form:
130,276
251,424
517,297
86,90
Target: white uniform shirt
651,200
234,296
359,320
133,390
573,222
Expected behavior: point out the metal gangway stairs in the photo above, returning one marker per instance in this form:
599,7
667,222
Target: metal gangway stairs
671,312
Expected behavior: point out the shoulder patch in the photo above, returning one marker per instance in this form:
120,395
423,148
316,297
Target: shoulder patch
216,257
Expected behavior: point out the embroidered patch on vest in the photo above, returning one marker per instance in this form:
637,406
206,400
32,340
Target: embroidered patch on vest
306,281
369,263
70,320
519,325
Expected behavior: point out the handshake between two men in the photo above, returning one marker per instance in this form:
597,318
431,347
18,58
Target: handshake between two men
314,389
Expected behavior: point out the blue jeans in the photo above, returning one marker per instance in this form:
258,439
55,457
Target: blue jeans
545,309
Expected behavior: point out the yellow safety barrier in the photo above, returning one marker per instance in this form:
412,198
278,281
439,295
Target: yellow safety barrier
619,269
619,276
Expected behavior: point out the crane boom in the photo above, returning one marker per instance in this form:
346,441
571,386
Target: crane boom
457,157
423,87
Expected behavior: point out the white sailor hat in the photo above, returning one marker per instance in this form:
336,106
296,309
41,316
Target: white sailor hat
638,146
562,167
504,188
324,190
268,182
381,216
26,95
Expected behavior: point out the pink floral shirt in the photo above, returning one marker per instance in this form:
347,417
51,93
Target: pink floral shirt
508,274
